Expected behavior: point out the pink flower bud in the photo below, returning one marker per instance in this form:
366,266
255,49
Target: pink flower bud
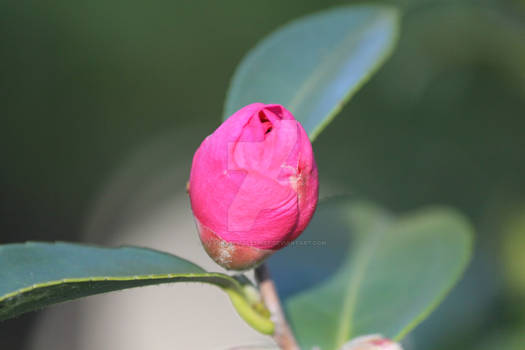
253,185
371,342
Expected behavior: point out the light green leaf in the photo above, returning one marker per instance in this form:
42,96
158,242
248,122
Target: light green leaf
394,272
313,65
34,275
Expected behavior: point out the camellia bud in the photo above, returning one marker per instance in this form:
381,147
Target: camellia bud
371,342
253,185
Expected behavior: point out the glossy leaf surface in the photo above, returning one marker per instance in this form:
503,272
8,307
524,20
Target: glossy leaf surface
35,275
313,65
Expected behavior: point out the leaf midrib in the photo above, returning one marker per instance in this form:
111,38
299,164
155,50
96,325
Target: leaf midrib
360,264
192,277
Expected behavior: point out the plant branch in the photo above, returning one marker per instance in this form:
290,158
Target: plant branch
283,334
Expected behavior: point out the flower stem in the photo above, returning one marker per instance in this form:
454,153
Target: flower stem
283,335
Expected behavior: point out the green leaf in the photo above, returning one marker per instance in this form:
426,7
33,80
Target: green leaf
313,65
34,275
393,272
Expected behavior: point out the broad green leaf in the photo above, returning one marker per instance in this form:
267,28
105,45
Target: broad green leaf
313,65
34,275
381,274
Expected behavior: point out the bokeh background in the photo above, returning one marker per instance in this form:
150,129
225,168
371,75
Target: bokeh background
103,103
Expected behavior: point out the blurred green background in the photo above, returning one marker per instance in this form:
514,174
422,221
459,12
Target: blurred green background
86,84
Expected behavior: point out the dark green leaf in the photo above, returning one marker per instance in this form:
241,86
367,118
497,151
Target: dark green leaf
34,275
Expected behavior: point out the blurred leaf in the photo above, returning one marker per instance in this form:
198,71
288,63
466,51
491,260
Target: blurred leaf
513,259
315,64
394,272
35,275
509,338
